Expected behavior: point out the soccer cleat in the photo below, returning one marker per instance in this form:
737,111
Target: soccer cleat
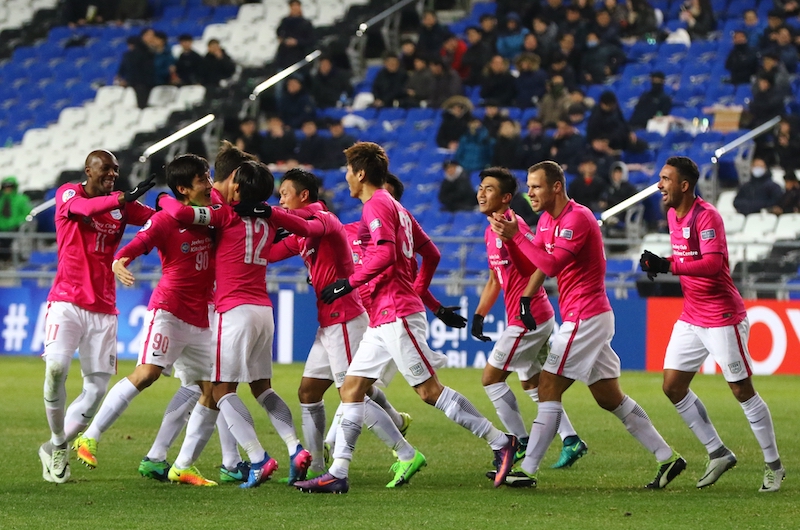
403,471
59,465
504,459
520,479
260,472
667,471
86,449
155,469
523,448
46,459
326,483
237,474
570,454
715,468
407,419
772,479
298,465
189,476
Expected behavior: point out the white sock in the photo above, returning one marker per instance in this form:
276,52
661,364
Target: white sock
175,417
460,410
533,394
565,428
377,395
639,425
543,431
505,403
330,438
198,431
757,413
378,421
83,409
346,437
281,418
313,422
119,397
227,443
241,425
695,415
55,395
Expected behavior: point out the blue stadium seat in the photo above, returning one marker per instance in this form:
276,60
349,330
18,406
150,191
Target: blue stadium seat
642,52
224,13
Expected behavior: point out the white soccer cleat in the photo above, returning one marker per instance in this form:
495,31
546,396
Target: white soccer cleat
715,468
45,457
59,465
772,479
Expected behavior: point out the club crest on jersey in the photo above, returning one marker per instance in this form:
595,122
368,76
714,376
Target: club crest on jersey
147,225
566,233
340,377
552,359
355,257
67,195
417,369
116,215
498,356
736,367
705,235
374,225
687,231
185,247
498,242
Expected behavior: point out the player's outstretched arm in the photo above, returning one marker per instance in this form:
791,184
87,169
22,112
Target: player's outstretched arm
122,273
191,215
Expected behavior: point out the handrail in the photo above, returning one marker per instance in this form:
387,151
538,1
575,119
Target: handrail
758,131
364,26
283,74
177,135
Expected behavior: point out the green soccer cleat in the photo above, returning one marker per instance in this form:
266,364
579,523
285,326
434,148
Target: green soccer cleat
667,471
157,470
403,471
232,476
523,448
772,479
520,479
189,476
407,419
570,453
86,450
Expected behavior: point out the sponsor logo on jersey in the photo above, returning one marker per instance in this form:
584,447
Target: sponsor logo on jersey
374,225
566,234
687,231
705,235
147,225
417,369
185,247
736,367
67,195
529,236
116,215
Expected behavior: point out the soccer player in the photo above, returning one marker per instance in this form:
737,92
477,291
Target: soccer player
714,321
397,326
530,320
244,329
568,245
81,306
177,316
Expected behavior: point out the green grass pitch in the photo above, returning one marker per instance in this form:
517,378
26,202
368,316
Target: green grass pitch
603,490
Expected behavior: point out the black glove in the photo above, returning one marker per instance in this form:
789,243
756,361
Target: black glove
336,290
140,188
653,264
449,316
162,194
477,328
525,313
253,209
280,235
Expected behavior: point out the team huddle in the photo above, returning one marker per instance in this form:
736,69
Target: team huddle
210,321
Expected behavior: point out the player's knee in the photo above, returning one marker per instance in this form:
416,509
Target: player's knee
674,392
743,390
57,368
429,392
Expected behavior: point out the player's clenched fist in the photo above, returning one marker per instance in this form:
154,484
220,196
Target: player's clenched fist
477,328
653,264
337,289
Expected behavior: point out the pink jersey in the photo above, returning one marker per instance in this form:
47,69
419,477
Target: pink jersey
187,266
327,257
393,295
88,232
708,301
581,281
513,282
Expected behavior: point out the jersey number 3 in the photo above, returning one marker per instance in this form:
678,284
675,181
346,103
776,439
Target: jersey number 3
408,244
255,228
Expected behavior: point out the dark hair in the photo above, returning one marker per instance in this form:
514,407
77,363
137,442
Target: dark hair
162,35
304,180
183,170
508,183
370,158
397,185
552,171
608,98
255,181
686,168
228,159
184,37
212,41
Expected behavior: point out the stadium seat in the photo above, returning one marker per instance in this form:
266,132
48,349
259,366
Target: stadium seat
725,202
757,227
788,227
733,222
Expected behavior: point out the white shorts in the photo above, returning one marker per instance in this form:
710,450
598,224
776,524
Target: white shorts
243,344
69,328
402,342
333,349
689,345
582,350
171,341
517,349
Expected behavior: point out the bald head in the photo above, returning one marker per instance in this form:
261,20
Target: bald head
101,154
102,171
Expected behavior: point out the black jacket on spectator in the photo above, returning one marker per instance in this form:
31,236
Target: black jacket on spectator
534,149
334,151
506,152
430,40
215,70
476,57
452,129
298,28
569,151
296,108
587,193
279,149
530,85
595,61
757,194
189,67
611,125
328,89
500,87
650,104
311,151
459,194
444,86
616,193
389,87
742,63
764,106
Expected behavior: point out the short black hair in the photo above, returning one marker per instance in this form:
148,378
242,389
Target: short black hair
255,181
184,37
304,180
552,171
508,183
686,168
182,171
397,185
608,98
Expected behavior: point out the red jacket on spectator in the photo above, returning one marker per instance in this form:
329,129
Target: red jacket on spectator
452,53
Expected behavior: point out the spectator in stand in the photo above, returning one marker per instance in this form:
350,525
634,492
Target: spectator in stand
14,208
420,84
456,192
531,81
742,60
772,67
296,106
788,8
600,60
566,46
555,102
619,189
618,12
509,41
587,189
554,11
136,69
335,145
753,28
488,23
531,46
507,146
163,61
606,29
492,117
498,83
329,85
758,193
603,155
547,34
431,34
249,139
130,10
296,36
477,55
217,65
567,147
455,122
408,52
641,20
790,200
82,12
389,85
279,144
770,33
446,83
311,148
573,24
699,18
452,54
787,146
654,102
189,65
785,48
579,103
475,147
607,121
765,105
534,147
560,67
